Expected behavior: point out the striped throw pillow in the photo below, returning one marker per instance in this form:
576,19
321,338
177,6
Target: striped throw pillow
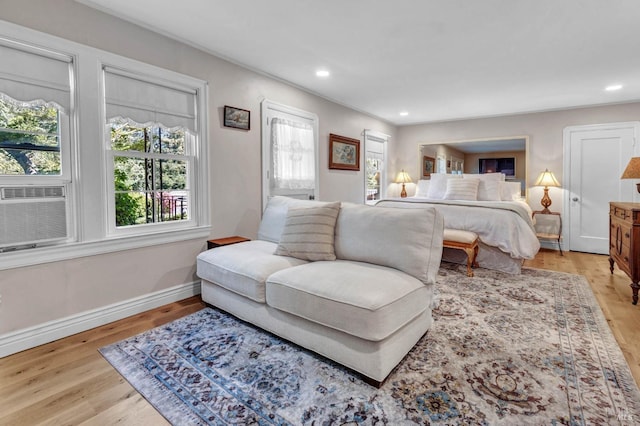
462,189
309,232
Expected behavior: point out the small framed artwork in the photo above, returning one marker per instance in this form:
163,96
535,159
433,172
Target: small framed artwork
428,165
344,153
237,118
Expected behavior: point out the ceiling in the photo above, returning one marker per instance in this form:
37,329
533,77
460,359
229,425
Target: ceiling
435,59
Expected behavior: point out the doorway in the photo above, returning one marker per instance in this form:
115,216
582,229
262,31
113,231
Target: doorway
594,158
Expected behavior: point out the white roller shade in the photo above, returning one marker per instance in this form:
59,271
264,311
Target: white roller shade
28,76
145,102
374,149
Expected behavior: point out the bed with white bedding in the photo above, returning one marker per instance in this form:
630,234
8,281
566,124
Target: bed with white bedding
504,225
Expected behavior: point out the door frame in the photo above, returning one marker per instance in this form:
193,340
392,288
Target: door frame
566,166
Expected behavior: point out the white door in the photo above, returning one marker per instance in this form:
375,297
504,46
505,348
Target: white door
595,157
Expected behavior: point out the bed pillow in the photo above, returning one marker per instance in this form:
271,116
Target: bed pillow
308,232
486,176
438,185
422,188
489,186
510,191
462,189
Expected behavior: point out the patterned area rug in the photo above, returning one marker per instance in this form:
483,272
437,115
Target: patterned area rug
504,350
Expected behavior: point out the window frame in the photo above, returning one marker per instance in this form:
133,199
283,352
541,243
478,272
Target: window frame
378,137
86,175
270,110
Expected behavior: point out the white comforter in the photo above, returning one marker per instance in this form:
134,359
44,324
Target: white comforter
506,225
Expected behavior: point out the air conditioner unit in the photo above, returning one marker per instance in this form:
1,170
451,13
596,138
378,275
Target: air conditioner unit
32,215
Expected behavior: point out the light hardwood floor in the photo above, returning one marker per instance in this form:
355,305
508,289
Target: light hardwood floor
68,381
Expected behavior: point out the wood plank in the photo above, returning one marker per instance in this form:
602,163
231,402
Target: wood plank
68,381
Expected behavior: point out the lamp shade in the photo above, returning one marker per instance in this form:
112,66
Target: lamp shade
403,177
547,179
633,169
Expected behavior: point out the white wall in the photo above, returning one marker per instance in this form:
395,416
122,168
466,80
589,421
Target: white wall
545,139
39,294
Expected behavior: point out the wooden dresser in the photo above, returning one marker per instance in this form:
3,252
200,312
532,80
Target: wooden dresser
624,241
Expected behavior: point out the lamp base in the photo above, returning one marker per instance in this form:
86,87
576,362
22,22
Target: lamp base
403,193
546,201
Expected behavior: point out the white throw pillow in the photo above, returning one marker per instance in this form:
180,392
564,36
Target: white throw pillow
462,189
489,190
438,185
275,216
422,188
510,191
309,232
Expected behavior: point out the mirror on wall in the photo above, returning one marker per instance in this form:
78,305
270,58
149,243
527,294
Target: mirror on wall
507,155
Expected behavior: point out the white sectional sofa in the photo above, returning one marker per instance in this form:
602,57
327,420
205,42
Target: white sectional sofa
351,282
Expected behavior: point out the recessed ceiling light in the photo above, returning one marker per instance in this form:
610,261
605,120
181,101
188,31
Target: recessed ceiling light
613,87
322,73
404,113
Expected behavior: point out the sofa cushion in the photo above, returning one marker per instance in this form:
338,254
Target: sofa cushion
406,239
308,232
275,216
361,299
244,267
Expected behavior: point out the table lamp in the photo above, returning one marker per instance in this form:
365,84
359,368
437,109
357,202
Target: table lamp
546,179
632,171
403,177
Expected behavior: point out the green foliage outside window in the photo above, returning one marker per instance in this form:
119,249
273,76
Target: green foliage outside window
29,139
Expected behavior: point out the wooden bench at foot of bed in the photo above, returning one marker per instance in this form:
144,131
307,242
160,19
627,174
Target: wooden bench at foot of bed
463,240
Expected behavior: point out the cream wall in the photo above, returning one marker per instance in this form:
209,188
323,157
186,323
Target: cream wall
39,294
545,139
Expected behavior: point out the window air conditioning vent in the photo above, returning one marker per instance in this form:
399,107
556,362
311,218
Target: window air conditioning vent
32,192
32,215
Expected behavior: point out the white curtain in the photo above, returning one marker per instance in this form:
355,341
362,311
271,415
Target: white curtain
293,155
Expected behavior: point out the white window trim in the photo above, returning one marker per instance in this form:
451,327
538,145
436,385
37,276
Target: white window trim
379,137
270,108
88,202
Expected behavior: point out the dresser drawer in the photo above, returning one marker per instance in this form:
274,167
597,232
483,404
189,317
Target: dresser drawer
620,213
620,233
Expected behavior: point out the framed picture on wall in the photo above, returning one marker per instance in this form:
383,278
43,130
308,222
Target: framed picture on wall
344,153
428,166
237,118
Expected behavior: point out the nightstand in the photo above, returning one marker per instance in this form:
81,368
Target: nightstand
548,226
219,242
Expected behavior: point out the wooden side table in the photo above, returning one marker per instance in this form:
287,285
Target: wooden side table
219,242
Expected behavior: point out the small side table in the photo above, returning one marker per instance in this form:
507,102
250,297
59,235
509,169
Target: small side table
219,242
549,231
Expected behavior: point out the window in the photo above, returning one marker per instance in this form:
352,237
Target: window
96,158
150,171
289,146
375,154
151,155
29,138
35,103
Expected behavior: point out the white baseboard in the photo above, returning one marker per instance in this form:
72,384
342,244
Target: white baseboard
27,338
